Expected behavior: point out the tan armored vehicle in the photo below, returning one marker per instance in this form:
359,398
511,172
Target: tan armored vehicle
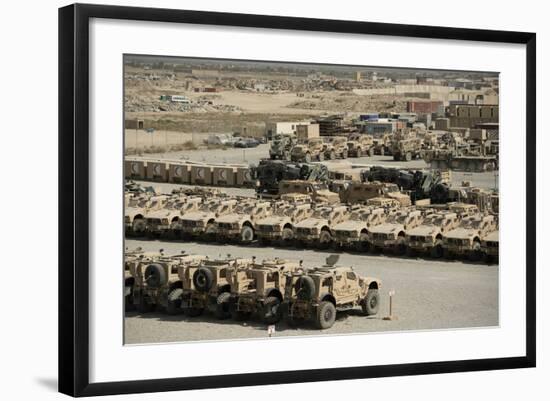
391,233
316,230
206,286
407,149
134,214
354,232
132,262
260,289
490,246
336,147
239,224
386,203
382,144
309,150
360,145
202,223
166,220
361,192
463,209
157,278
318,192
428,236
319,293
279,226
465,240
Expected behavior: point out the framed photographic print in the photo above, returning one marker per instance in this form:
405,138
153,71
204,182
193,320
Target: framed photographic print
302,199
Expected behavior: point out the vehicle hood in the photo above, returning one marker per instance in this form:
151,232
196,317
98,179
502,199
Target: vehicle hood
350,225
311,222
386,228
424,230
231,218
461,233
272,220
159,214
197,216
493,236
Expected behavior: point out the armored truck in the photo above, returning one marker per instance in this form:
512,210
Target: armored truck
316,230
490,246
260,289
309,150
279,226
318,294
336,147
318,192
391,234
353,233
360,145
428,236
407,149
465,240
240,223
202,223
134,214
281,146
166,220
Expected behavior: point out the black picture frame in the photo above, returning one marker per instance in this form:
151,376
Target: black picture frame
74,198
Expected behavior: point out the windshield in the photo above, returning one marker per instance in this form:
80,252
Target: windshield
245,209
398,219
474,224
322,213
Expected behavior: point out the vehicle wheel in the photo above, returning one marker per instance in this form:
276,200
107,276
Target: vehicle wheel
144,306
155,275
408,156
326,315
138,227
203,279
371,152
359,153
222,306
371,302
332,155
194,312
476,253
173,303
363,243
305,288
325,239
437,250
307,158
396,157
286,156
247,235
321,157
382,151
210,232
129,297
345,154
287,236
400,247
271,313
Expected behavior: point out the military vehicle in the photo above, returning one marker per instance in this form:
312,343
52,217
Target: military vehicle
382,144
391,234
156,280
318,294
279,226
360,192
336,147
132,261
166,220
309,150
202,223
406,149
315,230
387,203
465,240
463,209
490,246
354,231
138,207
270,173
240,222
318,192
260,289
281,146
206,286
360,145
461,158
428,236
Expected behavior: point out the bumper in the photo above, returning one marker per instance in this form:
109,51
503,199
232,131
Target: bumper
383,243
269,234
193,230
420,245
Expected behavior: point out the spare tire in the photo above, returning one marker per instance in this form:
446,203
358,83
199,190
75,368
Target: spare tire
305,288
203,279
155,275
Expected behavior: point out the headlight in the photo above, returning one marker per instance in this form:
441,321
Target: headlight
164,221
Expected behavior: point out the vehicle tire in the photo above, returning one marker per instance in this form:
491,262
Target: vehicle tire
408,156
286,156
144,306
194,312
371,152
173,301
305,288
203,279
155,275
437,250
371,303
210,232
476,253
396,157
321,157
363,243
247,235
223,310
325,316
382,151
345,154
400,247
138,226
271,312
359,153
332,155
307,158
325,238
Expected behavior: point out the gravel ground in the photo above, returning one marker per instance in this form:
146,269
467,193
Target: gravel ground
428,295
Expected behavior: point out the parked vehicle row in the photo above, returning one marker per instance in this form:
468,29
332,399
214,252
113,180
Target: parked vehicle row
245,288
382,224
